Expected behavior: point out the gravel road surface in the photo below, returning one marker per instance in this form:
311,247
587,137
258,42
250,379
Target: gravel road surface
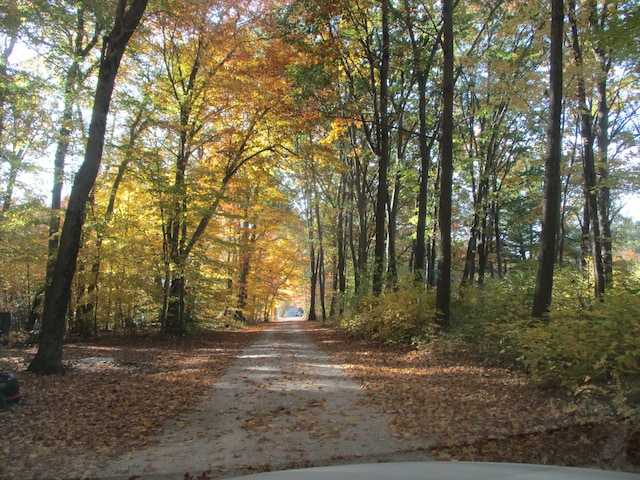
282,404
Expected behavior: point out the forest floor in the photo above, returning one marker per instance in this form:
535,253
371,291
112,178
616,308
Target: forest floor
276,396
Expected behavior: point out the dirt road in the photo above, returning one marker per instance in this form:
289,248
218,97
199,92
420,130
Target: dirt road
281,404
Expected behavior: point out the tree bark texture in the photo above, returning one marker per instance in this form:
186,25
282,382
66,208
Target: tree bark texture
443,293
552,187
588,161
383,157
48,360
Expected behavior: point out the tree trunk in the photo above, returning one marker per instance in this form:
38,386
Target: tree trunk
71,85
495,209
175,321
563,210
87,310
313,259
313,283
320,265
469,272
552,188
588,140
604,194
383,156
342,249
48,360
443,294
245,267
392,268
483,245
420,252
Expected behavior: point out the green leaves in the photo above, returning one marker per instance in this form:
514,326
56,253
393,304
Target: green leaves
595,343
403,316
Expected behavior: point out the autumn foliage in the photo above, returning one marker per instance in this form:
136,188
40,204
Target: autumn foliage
114,397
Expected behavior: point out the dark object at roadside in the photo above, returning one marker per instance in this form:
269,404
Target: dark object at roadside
5,326
9,389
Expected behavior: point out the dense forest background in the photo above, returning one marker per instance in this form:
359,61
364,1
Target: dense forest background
261,154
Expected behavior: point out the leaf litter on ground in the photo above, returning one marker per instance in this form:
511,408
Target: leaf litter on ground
482,413
113,398
117,392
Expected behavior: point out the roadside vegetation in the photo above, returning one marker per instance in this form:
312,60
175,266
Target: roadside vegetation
584,341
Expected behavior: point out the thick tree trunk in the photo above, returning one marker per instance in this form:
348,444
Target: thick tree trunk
552,189
443,294
175,320
48,360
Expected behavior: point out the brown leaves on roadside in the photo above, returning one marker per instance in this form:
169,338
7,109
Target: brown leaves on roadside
464,410
114,397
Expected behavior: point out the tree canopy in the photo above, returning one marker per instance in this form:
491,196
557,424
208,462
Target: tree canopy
260,154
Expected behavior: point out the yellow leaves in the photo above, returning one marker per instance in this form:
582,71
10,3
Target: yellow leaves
339,128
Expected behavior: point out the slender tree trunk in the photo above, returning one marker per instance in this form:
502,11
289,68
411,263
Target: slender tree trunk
353,251
432,248
469,272
392,268
71,84
552,188
88,309
563,211
320,266
383,156
342,248
589,169
443,294
9,45
604,194
313,258
48,360
313,283
483,245
12,177
245,267
495,209
420,253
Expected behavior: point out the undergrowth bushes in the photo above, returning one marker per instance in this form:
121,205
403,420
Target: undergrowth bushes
583,340
490,319
405,315
593,343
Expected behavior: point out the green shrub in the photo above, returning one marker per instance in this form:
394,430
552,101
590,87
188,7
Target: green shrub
490,319
591,343
403,316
